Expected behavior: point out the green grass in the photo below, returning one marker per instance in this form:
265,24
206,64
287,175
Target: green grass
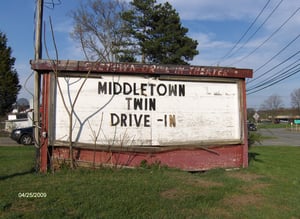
269,188
272,125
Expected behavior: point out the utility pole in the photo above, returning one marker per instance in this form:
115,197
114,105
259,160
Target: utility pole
37,78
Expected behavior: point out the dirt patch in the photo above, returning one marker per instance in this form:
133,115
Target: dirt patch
257,187
219,213
246,177
252,191
172,194
196,181
238,201
203,183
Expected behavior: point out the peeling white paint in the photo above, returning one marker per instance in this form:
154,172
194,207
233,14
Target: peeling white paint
205,112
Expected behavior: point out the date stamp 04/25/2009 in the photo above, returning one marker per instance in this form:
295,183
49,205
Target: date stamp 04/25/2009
32,194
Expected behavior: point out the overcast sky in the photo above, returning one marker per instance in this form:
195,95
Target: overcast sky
262,35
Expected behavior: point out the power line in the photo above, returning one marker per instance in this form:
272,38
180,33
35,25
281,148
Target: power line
272,78
270,70
277,78
278,29
48,4
249,38
289,75
284,48
261,11
51,4
281,76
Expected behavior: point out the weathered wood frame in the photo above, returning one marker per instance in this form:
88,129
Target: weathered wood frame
231,154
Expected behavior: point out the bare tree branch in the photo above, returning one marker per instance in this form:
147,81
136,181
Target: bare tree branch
295,99
70,111
97,26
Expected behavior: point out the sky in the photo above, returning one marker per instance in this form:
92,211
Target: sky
262,35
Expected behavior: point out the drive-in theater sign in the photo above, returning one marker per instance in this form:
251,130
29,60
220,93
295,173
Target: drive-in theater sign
187,117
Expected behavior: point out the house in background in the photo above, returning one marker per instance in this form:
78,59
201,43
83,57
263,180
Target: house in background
21,119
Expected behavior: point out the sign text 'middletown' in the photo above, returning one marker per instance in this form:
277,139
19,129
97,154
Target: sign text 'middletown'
144,89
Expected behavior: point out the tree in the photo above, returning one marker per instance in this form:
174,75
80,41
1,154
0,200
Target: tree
159,34
250,113
22,104
98,27
272,104
295,99
9,80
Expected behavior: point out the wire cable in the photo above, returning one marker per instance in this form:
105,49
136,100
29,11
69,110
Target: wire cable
249,38
277,75
276,78
290,43
51,4
270,70
230,51
25,84
266,40
276,82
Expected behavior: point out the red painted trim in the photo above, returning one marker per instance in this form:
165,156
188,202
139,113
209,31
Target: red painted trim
44,123
244,119
227,156
188,160
132,68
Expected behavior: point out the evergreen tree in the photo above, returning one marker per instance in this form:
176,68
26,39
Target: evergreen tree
159,34
9,81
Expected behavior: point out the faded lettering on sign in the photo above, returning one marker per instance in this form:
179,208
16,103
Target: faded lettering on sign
142,98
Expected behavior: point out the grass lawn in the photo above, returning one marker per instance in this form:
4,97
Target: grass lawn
269,188
273,126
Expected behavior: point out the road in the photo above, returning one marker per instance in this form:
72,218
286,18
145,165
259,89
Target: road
6,141
280,137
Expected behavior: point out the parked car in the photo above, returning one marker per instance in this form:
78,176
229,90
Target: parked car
23,135
251,127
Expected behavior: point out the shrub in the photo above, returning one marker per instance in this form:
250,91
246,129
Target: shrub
254,137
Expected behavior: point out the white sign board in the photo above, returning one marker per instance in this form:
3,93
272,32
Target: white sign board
145,111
